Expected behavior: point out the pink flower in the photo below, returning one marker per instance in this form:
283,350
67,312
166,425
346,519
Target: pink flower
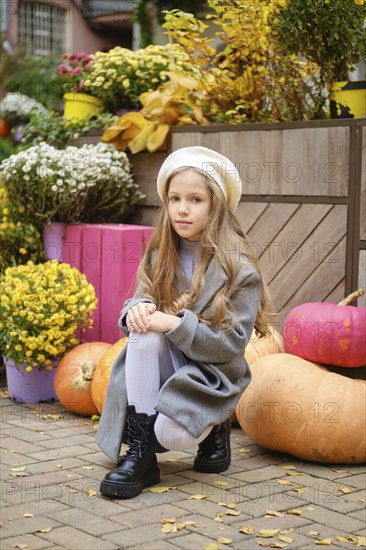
76,70
62,69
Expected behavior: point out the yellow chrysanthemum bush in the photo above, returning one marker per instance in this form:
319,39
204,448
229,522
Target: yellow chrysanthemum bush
120,76
41,308
19,241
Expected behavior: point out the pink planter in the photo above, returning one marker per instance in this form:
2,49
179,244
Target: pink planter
109,255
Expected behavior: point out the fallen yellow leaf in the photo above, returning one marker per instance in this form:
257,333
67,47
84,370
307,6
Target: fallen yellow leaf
314,533
293,473
288,467
247,530
45,530
271,513
90,492
342,539
294,512
223,540
52,416
95,417
361,541
266,533
223,483
20,545
233,513
300,490
161,489
244,450
28,515
166,528
168,520
212,546
59,466
18,469
324,542
4,394
272,544
218,519
197,497
227,504
283,482
282,538
88,467
344,490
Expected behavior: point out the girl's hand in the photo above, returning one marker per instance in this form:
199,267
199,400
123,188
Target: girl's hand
138,317
162,322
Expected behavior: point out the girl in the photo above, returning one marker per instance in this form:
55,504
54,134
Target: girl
200,293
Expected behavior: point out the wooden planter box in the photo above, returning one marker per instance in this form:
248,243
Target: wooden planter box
303,205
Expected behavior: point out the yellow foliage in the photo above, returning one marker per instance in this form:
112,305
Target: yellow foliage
177,102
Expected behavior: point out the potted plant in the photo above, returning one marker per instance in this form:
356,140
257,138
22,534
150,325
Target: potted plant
79,103
41,307
118,77
330,33
92,183
89,184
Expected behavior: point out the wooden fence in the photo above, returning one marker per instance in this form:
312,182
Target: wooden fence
303,205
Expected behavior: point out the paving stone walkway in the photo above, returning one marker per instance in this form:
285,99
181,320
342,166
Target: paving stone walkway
51,468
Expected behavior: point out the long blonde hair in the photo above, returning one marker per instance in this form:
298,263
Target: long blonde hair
161,275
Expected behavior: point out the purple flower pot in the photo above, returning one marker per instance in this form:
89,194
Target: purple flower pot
52,240
29,387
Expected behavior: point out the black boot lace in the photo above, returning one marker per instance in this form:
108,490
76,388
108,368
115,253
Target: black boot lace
137,438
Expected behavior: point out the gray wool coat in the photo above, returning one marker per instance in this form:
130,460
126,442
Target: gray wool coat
205,390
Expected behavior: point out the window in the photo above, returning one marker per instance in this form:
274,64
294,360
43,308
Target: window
41,28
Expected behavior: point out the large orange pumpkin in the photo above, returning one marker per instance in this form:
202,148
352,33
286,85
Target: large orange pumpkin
328,333
298,407
103,372
260,347
74,375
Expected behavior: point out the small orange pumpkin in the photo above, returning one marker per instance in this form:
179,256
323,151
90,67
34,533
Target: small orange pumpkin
4,127
103,371
74,375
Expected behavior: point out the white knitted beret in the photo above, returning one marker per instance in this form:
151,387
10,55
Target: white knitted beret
220,168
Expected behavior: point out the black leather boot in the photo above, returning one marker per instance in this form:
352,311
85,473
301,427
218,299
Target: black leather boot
158,448
138,468
214,454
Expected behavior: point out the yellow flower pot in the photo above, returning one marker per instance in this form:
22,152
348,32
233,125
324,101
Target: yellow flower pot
348,99
80,106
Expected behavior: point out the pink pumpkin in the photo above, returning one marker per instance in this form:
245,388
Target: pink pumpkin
328,333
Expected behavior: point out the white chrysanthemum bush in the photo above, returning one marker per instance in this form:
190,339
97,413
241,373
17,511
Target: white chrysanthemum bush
92,183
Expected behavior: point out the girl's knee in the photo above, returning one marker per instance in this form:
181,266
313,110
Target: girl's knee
150,342
175,437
